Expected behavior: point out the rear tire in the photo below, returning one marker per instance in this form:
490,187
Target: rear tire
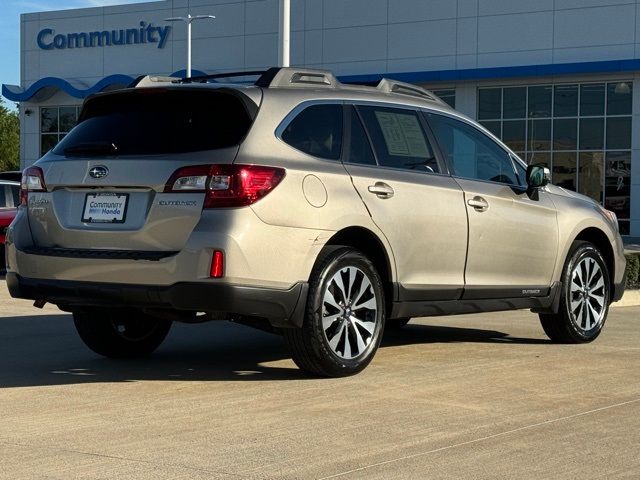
344,318
118,333
584,298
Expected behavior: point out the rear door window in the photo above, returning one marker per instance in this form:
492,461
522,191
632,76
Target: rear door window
159,121
317,130
399,139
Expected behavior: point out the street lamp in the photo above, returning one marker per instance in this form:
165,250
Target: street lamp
284,33
188,19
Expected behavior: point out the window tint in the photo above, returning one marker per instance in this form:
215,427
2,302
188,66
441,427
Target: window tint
3,201
15,192
399,139
471,153
157,121
359,148
317,130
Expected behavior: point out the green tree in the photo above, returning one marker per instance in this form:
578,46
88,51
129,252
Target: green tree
9,139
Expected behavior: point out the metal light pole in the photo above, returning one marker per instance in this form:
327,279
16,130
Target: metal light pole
284,33
188,19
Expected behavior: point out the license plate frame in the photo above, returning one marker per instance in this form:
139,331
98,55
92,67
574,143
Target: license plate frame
104,197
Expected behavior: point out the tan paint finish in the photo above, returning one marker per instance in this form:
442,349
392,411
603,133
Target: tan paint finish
514,242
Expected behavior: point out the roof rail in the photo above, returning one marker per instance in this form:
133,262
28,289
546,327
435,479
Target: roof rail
214,76
297,77
148,80
393,86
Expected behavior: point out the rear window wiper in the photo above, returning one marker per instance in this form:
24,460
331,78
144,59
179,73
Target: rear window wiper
94,148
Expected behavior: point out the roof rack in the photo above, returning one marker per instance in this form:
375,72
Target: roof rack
214,76
148,80
292,77
297,77
393,86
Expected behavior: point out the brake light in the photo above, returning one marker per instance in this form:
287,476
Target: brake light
226,185
32,181
217,264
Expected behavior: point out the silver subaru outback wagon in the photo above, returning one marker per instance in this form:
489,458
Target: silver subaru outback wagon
320,210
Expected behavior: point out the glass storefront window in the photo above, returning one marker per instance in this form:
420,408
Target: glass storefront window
447,95
591,174
565,100
539,102
55,123
591,133
619,98
515,102
592,99
490,103
582,131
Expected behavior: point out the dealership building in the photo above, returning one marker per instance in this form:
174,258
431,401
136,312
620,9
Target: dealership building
557,80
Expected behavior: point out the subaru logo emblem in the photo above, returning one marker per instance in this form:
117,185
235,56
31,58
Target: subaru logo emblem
99,172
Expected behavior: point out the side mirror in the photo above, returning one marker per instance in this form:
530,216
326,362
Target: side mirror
538,176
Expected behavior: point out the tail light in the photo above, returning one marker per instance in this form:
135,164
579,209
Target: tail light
32,181
226,185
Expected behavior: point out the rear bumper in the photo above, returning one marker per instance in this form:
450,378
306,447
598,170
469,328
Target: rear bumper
283,308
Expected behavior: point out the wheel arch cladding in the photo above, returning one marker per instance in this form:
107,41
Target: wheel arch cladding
370,245
601,241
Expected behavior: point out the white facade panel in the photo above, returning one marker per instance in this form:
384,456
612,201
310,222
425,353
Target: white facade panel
354,13
401,11
466,36
422,39
354,44
613,25
517,32
502,7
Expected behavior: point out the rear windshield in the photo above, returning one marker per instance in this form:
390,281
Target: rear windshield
157,121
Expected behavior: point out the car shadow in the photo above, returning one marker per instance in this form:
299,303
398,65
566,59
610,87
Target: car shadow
45,350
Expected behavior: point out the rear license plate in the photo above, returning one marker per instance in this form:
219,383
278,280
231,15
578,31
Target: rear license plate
105,207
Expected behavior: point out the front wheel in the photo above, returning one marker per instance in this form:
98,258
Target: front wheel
118,333
585,297
344,318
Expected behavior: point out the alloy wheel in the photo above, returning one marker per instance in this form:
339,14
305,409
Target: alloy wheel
587,292
349,313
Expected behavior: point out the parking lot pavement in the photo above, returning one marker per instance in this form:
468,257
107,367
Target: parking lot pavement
459,397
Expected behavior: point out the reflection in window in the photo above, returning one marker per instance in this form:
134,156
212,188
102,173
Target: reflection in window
539,101
472,154
55,123
565,134
592,99
591,174
582,131
317,130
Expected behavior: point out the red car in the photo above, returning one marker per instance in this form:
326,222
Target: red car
9,201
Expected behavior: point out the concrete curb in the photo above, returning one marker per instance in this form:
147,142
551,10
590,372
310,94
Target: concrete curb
631,298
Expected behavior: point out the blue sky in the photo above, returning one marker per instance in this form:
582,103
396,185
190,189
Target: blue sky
10,28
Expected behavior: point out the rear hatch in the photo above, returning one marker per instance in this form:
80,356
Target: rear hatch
105,181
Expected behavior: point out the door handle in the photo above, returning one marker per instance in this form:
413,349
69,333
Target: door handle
381,190
478,203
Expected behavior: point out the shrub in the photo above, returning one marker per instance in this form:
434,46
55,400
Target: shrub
632,273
